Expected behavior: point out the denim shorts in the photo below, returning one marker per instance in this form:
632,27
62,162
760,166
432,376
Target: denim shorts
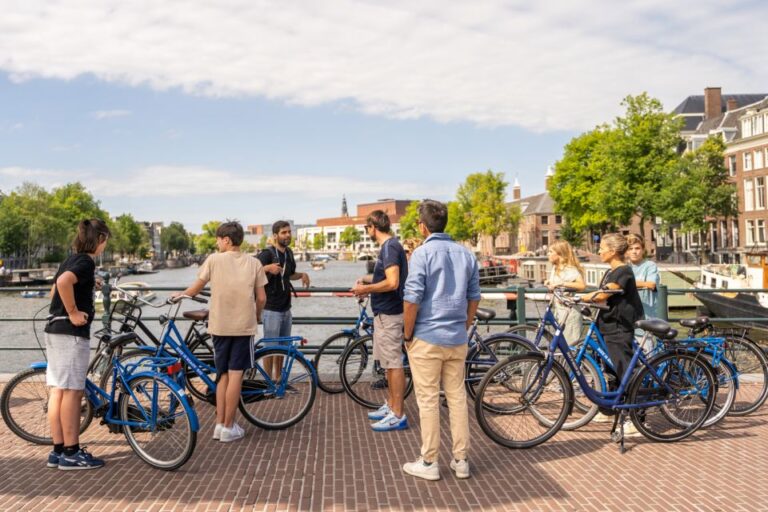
276,324
68,358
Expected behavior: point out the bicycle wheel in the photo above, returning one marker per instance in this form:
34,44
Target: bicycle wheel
202,348
161,434
529,332
726,393
277,404
328,359
479,360
514,397
127,359
684,383
583,408
24,404
752,368
362,377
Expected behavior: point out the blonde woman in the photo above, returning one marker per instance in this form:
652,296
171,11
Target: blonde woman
566,273
410,245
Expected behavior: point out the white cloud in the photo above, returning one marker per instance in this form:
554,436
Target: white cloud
109,114
541,65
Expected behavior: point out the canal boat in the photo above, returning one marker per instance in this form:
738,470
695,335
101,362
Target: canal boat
131,290
737,304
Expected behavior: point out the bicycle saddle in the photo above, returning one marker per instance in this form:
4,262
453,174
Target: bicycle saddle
197,315
658,327
695,323
485,314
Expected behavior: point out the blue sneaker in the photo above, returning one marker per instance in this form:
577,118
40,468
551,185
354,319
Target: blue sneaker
391,422
81,460
53,460
380,413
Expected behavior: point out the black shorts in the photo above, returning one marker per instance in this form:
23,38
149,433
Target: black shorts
232,353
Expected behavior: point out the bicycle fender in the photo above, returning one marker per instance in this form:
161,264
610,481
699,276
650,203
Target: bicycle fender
39,365
514,336
194,422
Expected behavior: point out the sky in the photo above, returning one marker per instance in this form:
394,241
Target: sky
258,110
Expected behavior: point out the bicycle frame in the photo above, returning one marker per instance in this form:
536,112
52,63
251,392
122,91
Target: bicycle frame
364,322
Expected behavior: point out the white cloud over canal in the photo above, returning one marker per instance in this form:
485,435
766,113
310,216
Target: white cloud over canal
547,65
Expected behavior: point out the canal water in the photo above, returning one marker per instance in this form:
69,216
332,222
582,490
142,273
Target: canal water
336,274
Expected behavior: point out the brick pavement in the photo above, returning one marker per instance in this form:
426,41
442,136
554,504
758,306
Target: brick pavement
333,461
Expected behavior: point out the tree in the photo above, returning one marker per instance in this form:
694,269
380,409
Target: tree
73,203
458,225
247,247
483,199
573,236
409,222
263,242
206,241
318,241
174,238
350,236
128,236
698,191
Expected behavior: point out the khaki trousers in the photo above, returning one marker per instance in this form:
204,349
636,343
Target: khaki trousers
430,365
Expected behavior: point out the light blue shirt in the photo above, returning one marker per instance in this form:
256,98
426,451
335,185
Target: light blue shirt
648,271
443,277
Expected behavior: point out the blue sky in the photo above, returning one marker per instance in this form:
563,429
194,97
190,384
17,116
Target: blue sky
259,110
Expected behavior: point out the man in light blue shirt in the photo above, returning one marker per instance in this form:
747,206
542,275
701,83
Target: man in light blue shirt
441,296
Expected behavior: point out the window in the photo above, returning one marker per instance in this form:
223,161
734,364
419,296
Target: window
735,232
750,232
758,159
760,193
747,161
760,235
559,218
723,233
758,124
749,199
545,219
746,128
331,237
732,165
545,238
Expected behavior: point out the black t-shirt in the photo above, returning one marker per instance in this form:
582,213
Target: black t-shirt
391,253
626,307
84,269
278,285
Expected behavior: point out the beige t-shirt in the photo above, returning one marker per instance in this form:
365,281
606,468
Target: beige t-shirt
233,277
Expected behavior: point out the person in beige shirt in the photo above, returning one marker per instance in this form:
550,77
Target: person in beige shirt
237,298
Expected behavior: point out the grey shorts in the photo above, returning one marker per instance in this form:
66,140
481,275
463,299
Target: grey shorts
388,340
68,358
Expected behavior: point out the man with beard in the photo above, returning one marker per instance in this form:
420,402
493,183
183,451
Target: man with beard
280,266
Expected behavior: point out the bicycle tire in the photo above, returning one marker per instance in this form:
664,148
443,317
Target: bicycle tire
529,332
265,405
203,352
584,410
726,393
173,420
356,364
508,392
681,371
478,361
752,367
327,362
24,406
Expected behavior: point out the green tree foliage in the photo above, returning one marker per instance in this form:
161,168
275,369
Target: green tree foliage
247,247
610,174
698,190
73,203
206,241
318,241
174,238
350,236
483,199
409,222
458,223
571,235
129,238
263,242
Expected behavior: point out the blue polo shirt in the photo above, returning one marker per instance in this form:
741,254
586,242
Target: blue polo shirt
390,254
443,277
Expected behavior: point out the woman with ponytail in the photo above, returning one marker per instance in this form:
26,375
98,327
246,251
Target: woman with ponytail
67,343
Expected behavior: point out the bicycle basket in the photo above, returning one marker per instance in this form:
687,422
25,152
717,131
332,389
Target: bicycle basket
124,316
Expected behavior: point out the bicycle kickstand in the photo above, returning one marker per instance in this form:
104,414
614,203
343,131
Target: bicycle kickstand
618,437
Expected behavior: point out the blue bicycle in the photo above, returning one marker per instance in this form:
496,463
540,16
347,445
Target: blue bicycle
147,406
267,402
525,399
328,357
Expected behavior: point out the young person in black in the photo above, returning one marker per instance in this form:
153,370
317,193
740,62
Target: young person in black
280,266
617,323
67,343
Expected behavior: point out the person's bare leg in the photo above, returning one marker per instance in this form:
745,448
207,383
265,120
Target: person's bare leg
396,387
54,414
70,415
233,396
221,397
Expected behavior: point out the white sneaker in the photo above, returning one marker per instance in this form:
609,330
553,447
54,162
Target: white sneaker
422,470
229,435
602,418
460,467
630,430
217,431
